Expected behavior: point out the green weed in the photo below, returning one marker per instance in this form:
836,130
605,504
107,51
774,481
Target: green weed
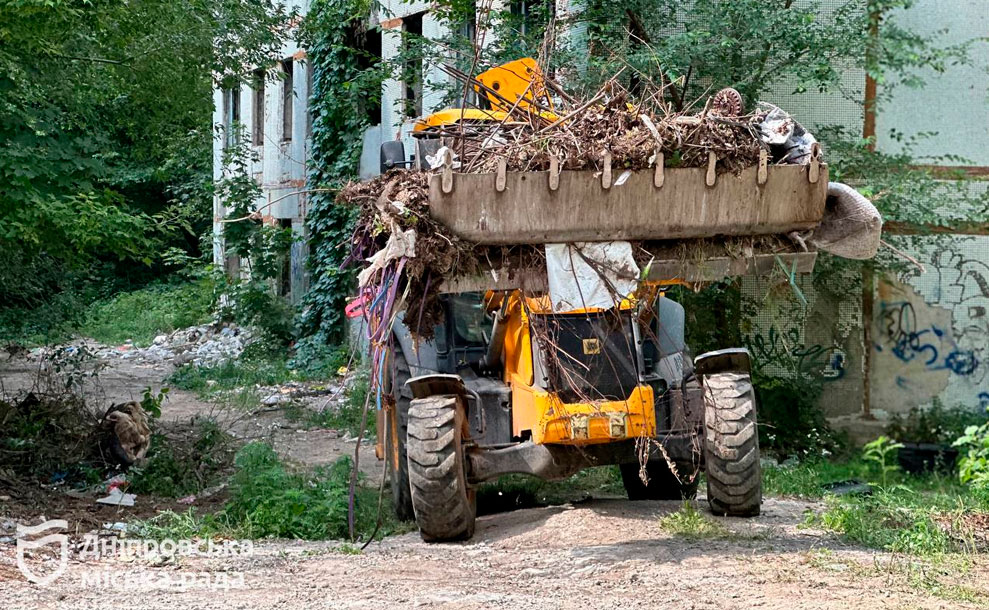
882,452
142,314
892,520
270,500
186,463
347,416
689,523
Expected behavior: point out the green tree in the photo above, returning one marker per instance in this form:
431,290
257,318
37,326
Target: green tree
105,128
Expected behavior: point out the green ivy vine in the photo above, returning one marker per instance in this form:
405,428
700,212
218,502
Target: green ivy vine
340,91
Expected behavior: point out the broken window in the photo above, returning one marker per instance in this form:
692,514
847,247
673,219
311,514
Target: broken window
257,132
412,68
368,44
288,99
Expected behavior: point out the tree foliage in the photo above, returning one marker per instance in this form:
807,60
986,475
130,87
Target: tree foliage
105,124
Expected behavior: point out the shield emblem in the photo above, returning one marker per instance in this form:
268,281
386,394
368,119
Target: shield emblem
24,544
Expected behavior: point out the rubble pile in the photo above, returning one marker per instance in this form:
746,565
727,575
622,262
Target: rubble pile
206,345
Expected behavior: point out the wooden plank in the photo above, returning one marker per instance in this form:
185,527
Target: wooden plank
527,211
707,270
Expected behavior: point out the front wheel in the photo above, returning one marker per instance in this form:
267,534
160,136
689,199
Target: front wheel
445,505
731,445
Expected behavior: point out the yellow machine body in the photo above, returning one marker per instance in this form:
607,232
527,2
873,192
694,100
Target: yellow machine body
520,81
544,415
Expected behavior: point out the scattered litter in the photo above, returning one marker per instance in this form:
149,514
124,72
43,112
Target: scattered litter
275,399
118,498
118,526
187,500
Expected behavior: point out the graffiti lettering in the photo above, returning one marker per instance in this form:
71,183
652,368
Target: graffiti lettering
787,350
899,332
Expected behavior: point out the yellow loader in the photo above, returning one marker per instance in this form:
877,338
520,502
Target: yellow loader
508,384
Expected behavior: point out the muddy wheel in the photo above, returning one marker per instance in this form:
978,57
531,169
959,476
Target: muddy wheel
397,427
445,505
731,444
663,484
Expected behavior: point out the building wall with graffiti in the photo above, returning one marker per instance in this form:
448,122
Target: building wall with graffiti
930,328
804,332
928,337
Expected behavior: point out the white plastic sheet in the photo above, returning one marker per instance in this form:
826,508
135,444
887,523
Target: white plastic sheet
590,274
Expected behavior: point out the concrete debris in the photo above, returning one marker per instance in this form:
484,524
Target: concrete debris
207,345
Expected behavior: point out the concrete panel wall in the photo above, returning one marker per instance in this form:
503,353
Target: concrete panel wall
931,329
953,104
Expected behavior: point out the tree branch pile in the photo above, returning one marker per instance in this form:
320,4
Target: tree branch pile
406,255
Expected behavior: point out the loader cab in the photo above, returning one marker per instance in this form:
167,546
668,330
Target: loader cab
462,337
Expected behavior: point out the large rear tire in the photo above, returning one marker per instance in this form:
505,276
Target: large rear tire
731,443
397,429
445,505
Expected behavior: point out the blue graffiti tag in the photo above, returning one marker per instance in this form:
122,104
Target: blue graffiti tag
899,329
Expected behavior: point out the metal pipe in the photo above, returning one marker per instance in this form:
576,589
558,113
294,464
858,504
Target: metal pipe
498,331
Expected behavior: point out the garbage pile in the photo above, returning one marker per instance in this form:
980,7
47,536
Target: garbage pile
405,255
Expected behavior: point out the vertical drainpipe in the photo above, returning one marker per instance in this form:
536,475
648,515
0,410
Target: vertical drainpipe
868,277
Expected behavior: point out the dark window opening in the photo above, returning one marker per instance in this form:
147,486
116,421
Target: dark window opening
231,114
412,70
288,99
285,279
368,46
257,133
532,15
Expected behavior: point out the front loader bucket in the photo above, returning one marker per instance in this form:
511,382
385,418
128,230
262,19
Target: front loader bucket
666,204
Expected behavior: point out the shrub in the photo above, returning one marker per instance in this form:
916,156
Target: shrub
185,463
141,315
973,465
935,424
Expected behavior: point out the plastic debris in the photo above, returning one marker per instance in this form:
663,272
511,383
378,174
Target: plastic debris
789,142
118,498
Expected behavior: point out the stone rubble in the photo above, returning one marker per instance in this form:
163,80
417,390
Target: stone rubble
206,345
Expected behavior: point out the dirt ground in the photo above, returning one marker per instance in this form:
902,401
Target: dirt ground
124,380
605,553
602,553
